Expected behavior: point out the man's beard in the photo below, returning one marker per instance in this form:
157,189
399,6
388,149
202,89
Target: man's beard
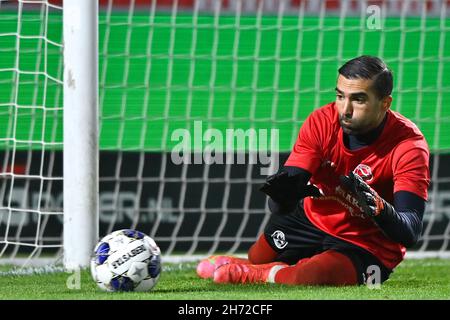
350,127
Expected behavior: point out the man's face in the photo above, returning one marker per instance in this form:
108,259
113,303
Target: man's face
360,110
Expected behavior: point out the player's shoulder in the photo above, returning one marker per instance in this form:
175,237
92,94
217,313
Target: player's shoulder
397,119
408,139
326,113
406,131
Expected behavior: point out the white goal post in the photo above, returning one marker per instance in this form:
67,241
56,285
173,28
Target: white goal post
95,96
81,139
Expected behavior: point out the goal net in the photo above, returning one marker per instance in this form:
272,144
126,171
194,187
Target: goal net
30,129
198,101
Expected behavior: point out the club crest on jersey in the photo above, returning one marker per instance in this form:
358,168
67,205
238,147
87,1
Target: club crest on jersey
364,172
279,239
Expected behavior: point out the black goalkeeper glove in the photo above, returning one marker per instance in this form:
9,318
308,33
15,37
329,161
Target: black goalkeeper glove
372,204
287,190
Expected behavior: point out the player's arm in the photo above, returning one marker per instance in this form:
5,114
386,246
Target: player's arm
288,186
405,224
401,222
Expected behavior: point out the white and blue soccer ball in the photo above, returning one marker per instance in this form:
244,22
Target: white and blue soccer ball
126,260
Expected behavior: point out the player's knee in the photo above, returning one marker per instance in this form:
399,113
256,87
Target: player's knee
329,268
255,256
261,252
309,274
338,269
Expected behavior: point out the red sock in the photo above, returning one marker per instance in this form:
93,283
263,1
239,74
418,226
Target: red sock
327,268
261,252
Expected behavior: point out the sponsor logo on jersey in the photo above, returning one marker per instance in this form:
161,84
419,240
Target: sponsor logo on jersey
279,239
364,172
349,202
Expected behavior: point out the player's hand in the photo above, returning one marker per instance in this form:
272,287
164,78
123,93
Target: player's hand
368,199
288,191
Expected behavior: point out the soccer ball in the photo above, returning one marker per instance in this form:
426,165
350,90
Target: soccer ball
126,260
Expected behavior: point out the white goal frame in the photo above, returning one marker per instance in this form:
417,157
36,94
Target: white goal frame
81,146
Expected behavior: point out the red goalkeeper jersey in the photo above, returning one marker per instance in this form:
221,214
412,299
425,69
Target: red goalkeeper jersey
396,161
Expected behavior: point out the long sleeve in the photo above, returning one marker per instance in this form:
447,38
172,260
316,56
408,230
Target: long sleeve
403,222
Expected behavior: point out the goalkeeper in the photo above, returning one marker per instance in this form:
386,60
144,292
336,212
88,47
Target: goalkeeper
350,197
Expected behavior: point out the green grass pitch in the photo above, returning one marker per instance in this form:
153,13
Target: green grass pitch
414,279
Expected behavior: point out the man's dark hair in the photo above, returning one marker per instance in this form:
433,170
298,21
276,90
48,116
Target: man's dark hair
372,68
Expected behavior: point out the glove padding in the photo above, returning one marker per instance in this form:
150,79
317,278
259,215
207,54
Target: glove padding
368,199
287,190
